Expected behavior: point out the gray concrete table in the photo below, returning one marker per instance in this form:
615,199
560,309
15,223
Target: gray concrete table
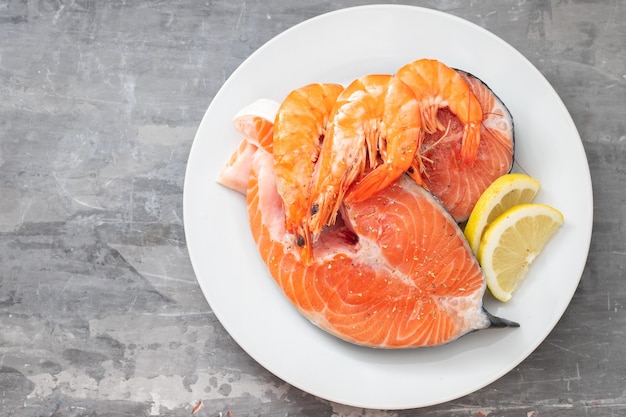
100,310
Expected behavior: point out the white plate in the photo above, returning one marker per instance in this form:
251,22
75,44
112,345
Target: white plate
338,47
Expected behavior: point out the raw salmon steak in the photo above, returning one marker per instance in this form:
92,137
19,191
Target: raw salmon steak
396,272
459,185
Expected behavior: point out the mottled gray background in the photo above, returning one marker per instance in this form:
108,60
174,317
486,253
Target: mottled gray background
100,312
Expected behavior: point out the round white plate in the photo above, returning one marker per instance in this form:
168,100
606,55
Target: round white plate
338,47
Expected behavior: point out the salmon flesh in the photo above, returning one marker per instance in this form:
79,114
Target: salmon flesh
394,272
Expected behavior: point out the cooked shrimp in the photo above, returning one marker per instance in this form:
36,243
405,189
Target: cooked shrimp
456,184
437,86
299,128
372,116
397,146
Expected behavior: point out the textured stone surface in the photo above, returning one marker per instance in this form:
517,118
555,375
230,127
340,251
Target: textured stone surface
100,311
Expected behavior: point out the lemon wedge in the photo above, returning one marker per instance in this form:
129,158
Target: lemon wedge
505,192
512,241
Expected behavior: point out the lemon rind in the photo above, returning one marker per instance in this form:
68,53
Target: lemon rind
492,196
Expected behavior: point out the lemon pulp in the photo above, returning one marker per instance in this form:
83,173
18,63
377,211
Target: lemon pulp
512,241
505,192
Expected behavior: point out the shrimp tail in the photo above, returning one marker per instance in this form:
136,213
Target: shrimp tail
470,142
376,180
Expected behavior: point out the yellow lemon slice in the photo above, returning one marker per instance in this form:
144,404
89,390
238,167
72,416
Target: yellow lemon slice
512,241
507,191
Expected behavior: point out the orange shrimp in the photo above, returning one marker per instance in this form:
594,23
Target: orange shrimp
398,148
372,116
299,128
437,86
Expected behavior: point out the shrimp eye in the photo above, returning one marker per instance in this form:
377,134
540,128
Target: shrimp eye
300,241
314,209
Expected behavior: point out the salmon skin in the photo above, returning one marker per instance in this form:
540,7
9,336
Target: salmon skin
459,185
393,272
